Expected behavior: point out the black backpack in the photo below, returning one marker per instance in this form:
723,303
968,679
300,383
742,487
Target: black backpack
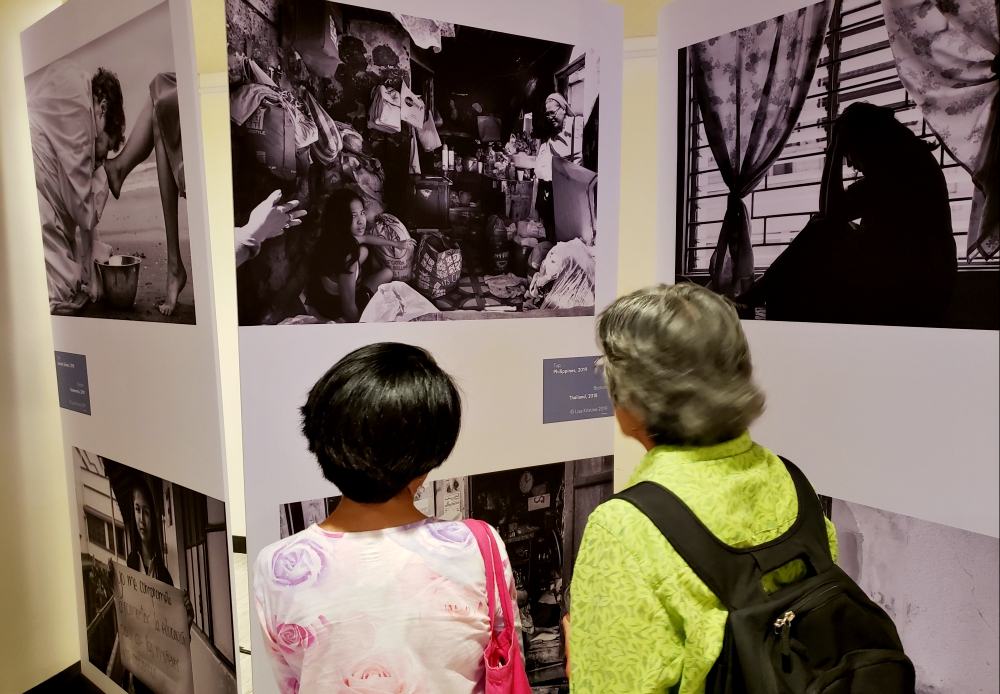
820,635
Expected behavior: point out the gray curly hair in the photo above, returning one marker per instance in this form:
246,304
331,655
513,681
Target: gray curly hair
676,357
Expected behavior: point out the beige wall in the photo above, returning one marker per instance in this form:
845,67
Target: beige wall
38,623
38,627
637,219
640,16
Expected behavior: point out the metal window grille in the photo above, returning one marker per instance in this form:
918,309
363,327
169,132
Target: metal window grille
856,63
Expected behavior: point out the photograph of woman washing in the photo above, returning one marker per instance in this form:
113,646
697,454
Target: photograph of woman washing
837,163
109,171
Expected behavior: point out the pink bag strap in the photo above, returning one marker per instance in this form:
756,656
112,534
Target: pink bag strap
502,659
496,582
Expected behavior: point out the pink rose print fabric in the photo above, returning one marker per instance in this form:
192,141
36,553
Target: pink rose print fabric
396,611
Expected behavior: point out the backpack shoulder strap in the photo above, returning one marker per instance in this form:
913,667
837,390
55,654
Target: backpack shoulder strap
734,574
731,575
807,537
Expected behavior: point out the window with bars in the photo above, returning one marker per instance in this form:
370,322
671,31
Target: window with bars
105,533
856,64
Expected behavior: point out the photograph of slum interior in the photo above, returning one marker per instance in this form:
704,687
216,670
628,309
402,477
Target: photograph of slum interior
447,172
834,165
176,539
540,512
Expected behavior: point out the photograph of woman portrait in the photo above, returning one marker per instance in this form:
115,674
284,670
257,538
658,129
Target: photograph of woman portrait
130,519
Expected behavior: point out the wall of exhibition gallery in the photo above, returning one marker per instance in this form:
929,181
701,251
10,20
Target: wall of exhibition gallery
39,595
37,589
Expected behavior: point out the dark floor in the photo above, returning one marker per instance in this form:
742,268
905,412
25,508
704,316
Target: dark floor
69,681
81,685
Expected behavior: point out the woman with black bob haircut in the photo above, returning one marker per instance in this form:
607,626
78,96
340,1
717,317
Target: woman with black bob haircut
378,595
382,417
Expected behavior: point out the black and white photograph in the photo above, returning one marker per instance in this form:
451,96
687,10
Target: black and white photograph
540,513
109,173
940,586
389,168
156,582
835,164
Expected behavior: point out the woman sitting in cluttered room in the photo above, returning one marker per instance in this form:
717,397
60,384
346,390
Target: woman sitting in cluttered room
344,273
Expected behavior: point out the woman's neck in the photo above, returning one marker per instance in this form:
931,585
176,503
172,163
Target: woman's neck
147,554
353,517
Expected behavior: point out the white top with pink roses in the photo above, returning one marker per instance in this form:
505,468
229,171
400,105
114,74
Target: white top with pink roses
400,610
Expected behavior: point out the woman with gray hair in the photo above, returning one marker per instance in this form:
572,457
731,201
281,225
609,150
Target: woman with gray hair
680,377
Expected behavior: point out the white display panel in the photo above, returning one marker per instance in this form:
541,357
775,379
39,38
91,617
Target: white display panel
497,363
154,386
898,418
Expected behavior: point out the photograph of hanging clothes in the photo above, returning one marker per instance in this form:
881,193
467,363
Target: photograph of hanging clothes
835,164
445,172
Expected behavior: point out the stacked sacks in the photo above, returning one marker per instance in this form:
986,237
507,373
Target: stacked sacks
399,260
352,139
273,123
267,126
570,268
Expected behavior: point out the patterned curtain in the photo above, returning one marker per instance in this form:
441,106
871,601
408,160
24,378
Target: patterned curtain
946,55
750,86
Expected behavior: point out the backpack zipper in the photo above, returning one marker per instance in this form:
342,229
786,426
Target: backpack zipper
783,624
783,628
783,621
812,601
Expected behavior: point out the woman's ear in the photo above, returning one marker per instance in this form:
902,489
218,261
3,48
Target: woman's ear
633,427
417,484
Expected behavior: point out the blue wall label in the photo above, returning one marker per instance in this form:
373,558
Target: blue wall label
573,389
71,377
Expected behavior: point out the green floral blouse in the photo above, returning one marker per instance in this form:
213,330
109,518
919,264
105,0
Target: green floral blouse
642,621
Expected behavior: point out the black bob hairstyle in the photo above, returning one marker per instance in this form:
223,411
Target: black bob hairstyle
383,416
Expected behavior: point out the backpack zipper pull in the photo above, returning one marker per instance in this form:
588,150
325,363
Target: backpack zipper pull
783,627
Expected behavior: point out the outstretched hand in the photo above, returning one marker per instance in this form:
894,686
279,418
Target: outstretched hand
270,219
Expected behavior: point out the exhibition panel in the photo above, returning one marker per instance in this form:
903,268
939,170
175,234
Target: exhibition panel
111,87
880,358
427,172
387,168
824,165
446,162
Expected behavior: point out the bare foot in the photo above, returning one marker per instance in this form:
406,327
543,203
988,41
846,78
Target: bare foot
115,179
175,283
